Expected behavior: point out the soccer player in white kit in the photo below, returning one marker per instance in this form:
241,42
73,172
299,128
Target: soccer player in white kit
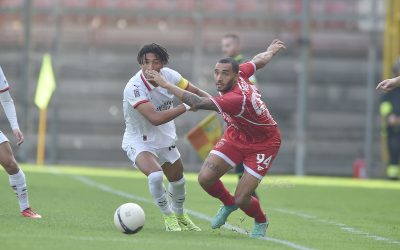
7,160
150,136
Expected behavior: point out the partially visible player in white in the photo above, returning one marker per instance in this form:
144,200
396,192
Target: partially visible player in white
150,136
7,160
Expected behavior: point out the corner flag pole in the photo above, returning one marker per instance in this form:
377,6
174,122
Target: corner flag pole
41,146
44,90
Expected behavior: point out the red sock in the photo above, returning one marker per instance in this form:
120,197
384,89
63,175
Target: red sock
254,210
218,191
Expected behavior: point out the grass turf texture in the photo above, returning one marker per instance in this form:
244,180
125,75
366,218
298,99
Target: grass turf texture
313,212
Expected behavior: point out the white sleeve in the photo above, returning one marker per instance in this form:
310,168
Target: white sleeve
135,95
9,108
172,76
3,82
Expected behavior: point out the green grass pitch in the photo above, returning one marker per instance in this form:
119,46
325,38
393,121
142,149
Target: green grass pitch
77,205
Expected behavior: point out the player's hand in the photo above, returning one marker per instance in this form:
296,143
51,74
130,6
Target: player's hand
155,76
193,109
387,85
20,137
275,46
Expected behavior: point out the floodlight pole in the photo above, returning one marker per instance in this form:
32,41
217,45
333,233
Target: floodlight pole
24,86
369,121
302,83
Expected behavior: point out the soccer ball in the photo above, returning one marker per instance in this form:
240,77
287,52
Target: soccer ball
129,218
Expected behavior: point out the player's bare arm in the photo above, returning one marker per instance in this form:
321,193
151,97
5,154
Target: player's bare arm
148,110
9,108
262,59
194,101
195,90
389,84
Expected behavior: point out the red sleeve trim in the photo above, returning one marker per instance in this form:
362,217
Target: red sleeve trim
138,103
145,82
216,104
4,90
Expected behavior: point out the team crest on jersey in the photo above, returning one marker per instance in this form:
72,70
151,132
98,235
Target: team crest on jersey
136,93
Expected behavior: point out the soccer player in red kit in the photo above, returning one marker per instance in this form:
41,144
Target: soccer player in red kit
251,136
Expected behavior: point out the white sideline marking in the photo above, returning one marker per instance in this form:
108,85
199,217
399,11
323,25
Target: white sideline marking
109,189
342,226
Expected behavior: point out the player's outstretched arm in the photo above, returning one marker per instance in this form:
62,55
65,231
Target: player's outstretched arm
194,101
389,84
148,110
197,91
260,60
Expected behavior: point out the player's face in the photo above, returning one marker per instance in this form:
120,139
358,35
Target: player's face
151,62
224,76
230,47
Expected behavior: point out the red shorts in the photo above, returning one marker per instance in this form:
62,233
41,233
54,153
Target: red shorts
256,158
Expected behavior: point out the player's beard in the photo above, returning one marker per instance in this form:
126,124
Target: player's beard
228,86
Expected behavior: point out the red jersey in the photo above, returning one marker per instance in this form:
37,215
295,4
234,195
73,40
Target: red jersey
247,116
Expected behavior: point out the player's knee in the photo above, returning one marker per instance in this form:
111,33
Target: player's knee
155,177
204,180
11,166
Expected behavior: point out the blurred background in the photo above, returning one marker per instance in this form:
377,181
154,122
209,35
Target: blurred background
321,89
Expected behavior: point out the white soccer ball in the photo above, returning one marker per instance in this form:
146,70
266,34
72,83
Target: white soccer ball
129,218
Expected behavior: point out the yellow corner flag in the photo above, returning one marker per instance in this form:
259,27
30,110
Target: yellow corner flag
205,135
46,83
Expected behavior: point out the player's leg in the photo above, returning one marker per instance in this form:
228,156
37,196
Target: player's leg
250,204
147,162
256,164
17,179
177,191
176,185
215,166
212,170
239,170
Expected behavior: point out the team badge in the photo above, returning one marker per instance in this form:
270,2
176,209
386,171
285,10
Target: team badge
136,92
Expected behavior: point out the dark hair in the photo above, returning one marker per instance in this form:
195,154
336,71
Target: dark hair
160,52
230,60
233,36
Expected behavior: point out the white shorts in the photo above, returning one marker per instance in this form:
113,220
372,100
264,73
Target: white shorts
168,154
3,138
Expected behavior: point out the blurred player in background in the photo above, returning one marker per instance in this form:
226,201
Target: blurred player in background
390,111
252,136
149,138
230,44
7,160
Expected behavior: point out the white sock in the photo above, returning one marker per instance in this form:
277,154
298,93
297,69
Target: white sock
157,190
177,193
18,184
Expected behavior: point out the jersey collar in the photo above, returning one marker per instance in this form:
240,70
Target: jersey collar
148,85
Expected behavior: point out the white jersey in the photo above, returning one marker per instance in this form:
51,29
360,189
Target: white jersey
138,129
3,82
